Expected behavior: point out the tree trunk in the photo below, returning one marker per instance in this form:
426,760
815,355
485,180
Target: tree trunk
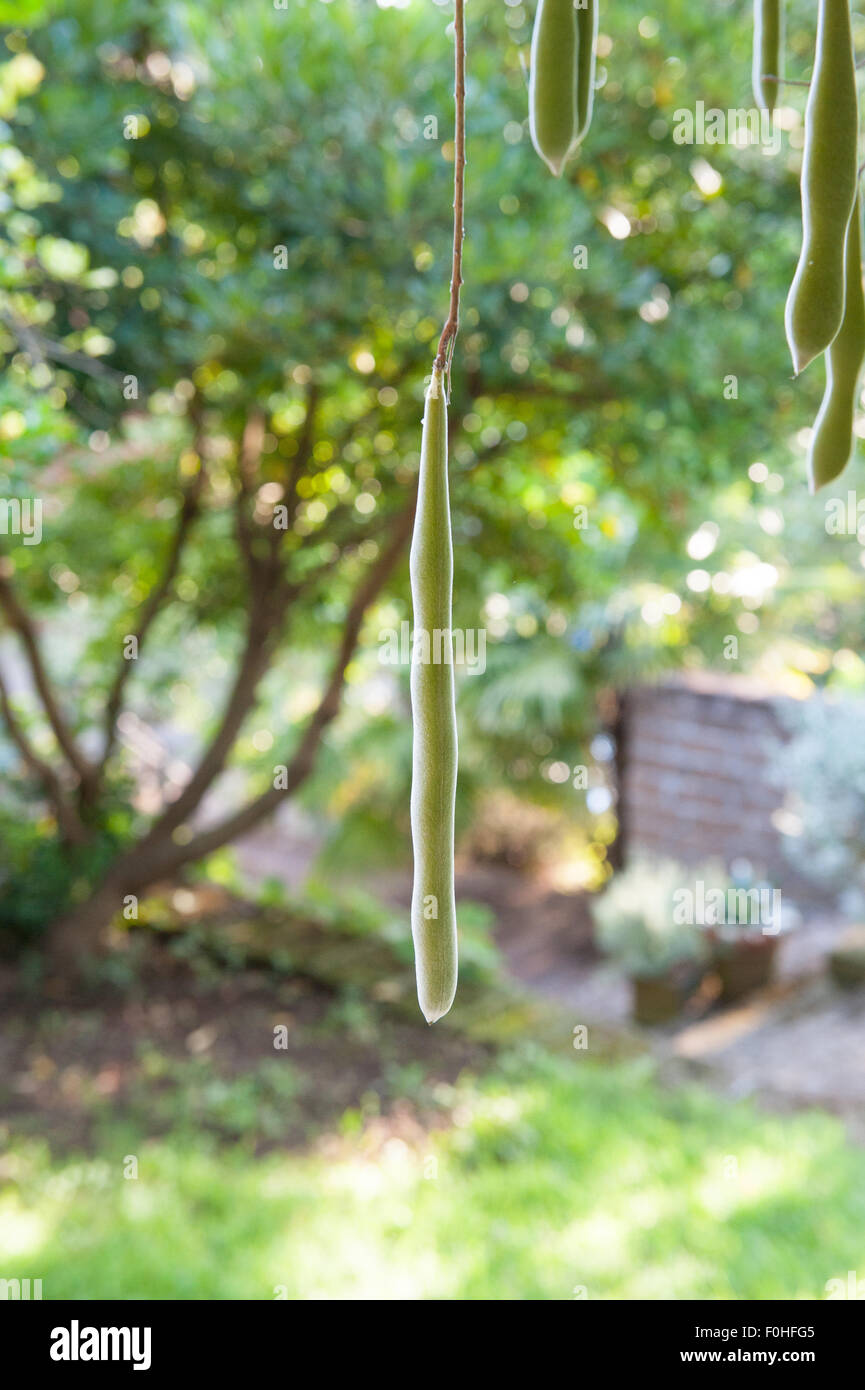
81,932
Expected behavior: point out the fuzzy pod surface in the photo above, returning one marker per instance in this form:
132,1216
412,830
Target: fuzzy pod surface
587,34
553,82
768,52
815,304
832,440
434,748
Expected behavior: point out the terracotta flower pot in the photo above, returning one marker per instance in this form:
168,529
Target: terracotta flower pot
847,959
744,966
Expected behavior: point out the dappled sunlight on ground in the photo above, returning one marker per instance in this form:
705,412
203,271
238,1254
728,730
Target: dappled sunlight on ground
563,1175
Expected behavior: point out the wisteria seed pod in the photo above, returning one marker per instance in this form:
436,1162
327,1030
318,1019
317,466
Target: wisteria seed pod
815,304
587,33
832,440
434,750
768,52
552,82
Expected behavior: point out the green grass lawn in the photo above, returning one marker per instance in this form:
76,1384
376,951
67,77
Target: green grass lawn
542,1177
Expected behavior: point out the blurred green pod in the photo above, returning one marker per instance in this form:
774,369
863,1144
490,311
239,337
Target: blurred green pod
434,749
815,304
768,52
553,82
587,33
832,440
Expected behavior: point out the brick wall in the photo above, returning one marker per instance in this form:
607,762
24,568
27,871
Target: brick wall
694,773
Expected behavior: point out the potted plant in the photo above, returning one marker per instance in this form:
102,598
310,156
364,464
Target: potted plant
637,923
743,958
744,942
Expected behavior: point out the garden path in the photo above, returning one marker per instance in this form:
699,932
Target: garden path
799,1043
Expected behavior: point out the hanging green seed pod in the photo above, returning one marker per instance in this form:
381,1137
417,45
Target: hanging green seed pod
434,754
552,82
587,33
815,303
832,441
768,52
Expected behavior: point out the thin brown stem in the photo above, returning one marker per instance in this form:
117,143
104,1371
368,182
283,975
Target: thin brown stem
452,323
249,461
784,81
38,348
265,623
20,621
71,827
150,611
305,444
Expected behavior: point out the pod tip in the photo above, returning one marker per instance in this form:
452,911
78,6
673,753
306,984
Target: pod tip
433,1012
434,1015
802,357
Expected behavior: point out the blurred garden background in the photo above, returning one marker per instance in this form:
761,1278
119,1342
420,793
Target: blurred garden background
224,262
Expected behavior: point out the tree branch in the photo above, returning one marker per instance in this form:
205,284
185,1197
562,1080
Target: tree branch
263,571
305,444
71,827
264,626
153,604
39,347
144,868
271,595
20,620
249,459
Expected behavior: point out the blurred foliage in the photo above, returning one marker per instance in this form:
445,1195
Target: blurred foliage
346,939
261,238
821,765
189,1096
40,878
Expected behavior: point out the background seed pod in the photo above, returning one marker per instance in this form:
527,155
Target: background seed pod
587,33
815,304
768,52
832,440
553,82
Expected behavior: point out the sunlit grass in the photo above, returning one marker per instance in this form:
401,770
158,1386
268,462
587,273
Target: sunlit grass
554,1176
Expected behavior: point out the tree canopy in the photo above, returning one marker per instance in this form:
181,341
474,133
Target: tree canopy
223,277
